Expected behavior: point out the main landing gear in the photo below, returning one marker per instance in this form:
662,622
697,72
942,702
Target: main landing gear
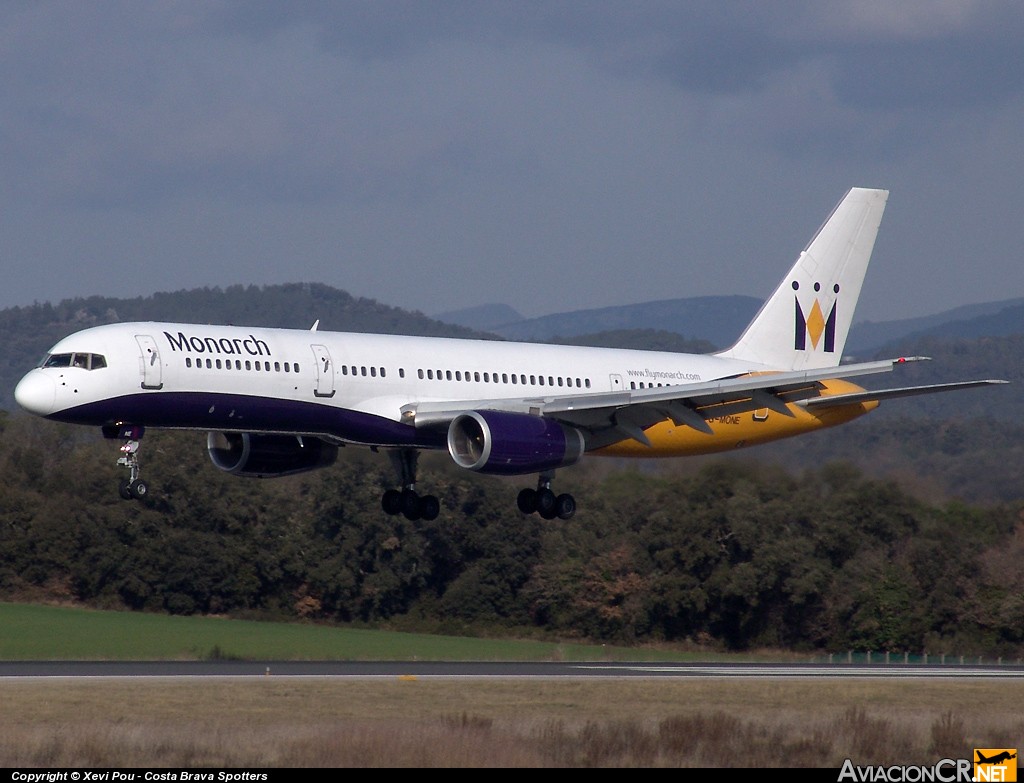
133,488
412,506
406,501
544,501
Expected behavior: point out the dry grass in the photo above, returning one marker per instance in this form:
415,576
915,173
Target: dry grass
391,722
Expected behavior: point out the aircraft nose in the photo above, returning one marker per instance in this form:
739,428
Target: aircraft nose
36,393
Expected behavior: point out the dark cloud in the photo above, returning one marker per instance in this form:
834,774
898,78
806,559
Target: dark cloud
441,154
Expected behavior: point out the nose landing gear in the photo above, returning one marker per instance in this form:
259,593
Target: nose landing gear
133,488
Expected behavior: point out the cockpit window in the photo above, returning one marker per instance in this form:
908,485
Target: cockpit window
86,361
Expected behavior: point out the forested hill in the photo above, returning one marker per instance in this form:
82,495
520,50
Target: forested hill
28,332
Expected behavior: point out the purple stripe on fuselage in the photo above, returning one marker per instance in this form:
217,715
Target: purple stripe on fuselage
205,411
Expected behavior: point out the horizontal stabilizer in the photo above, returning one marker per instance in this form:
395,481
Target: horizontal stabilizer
888,394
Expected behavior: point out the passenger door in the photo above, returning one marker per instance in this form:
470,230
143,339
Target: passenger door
151,366
324,372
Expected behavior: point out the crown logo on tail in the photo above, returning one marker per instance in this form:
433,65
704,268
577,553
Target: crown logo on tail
814,325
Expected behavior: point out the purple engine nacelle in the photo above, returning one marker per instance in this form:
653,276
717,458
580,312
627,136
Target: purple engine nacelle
512,443
264,456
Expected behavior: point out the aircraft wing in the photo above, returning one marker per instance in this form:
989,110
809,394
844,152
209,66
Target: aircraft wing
609,417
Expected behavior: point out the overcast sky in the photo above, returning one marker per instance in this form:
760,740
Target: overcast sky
548,155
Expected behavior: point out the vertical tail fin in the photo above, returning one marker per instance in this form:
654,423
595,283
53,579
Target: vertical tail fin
804,324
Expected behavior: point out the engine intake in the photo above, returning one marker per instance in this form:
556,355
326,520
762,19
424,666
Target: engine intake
263,456
512,443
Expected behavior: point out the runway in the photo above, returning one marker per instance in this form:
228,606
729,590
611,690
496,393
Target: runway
498,670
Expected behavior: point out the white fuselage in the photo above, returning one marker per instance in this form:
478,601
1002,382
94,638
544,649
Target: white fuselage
347,387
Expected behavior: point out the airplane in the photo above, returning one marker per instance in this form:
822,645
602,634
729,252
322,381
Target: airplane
274,402
996,759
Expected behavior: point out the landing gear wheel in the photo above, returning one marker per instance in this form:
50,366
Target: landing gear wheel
391,502
138,489
546,502
406,501
123,488
565,506
410,505
527,500
430,507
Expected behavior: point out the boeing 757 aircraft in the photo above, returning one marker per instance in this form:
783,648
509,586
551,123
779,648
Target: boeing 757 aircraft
282,401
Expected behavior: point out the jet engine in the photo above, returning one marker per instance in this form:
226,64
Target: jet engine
263,456
512,443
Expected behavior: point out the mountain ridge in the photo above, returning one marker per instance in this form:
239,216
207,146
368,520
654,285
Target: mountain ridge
721,319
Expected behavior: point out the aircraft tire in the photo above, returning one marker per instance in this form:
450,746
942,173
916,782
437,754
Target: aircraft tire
546,502
430,507
123,489
391,502
527,500
565,506
138,489
410,505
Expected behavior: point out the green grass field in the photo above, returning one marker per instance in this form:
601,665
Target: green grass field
35,632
